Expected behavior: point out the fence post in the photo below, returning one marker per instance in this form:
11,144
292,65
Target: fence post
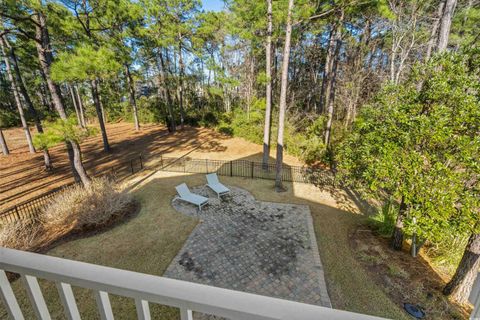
131,165
231,168
251,169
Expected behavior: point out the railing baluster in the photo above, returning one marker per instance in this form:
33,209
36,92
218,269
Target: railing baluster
186,314
36,297
8,297
104,306
143,310
68,301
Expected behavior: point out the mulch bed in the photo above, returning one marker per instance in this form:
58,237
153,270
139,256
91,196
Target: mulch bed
404,279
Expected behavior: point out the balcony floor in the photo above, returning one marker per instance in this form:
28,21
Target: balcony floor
247,245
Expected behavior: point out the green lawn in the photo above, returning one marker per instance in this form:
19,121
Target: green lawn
149,241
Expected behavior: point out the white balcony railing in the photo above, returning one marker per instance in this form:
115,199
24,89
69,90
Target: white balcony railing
143,288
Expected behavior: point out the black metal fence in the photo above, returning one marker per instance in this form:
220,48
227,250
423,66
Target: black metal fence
32,208
235,168
248,169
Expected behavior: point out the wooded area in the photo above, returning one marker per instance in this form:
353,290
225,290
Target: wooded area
386,93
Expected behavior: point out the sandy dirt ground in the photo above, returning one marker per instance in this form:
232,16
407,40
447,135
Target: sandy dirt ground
22,175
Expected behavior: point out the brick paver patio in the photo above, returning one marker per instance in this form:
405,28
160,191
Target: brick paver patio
252,246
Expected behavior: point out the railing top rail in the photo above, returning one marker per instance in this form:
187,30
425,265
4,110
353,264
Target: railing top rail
177,293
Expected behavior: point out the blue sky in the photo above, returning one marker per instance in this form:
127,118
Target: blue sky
212,5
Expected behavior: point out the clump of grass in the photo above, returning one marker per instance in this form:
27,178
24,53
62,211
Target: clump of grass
396,271
447,253
369,259
384,220
21,234
77,209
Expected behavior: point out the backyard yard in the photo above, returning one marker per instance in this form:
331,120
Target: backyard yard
345,134
149,240
310,244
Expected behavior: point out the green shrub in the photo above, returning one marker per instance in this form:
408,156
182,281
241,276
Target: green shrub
248,125
303,141
384,221
306,144
8,117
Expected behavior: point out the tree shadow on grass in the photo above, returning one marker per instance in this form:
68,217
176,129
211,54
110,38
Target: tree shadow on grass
16,185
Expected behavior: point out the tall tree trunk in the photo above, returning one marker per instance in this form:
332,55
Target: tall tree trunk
180,95
80,107
3,144
268,91
75,105
36,117
397,237
332,81
326,71
283,100
16,95
433,33
445,24
42,96
72,162
331,97
98,109
172,125
45,58
461,283
133,100
104,117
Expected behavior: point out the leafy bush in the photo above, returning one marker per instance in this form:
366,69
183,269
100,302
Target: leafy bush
150,110
8,116
306,143
248,125
422,146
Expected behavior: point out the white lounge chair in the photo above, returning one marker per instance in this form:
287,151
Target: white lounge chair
214,184
186,195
